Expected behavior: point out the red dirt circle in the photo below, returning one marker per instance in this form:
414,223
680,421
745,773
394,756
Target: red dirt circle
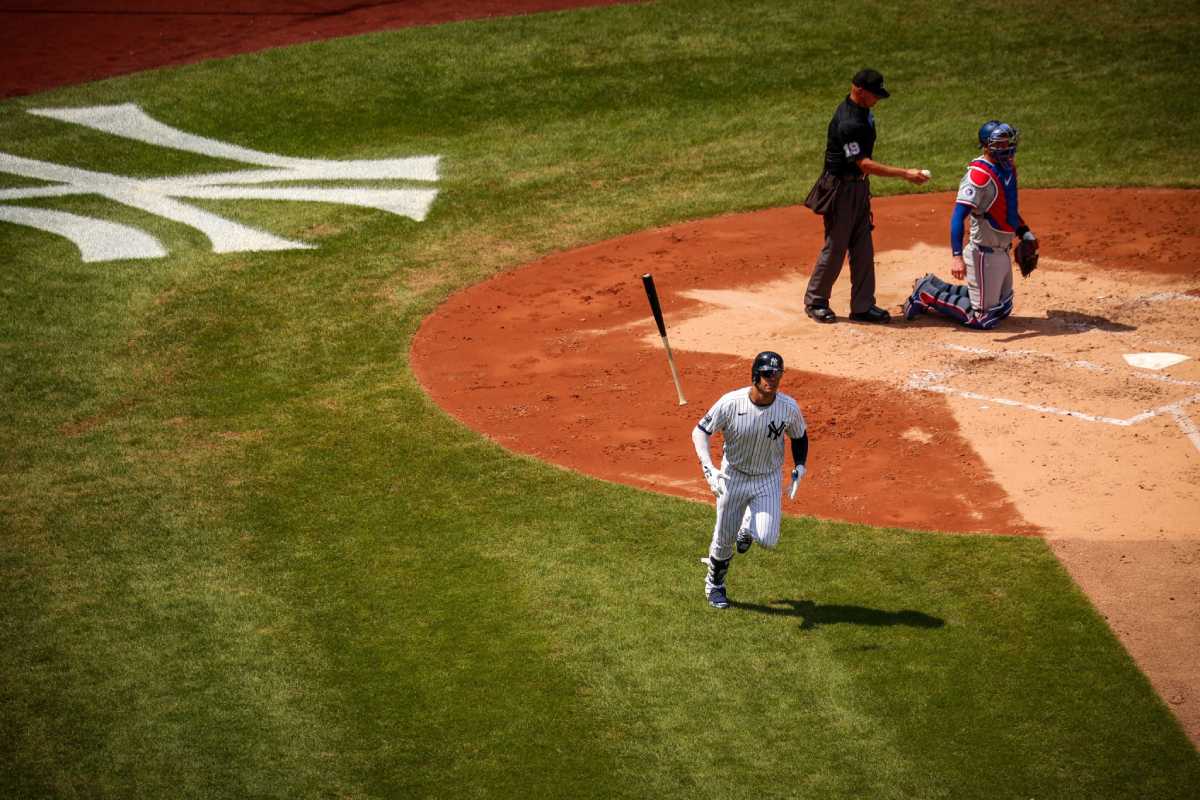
560,359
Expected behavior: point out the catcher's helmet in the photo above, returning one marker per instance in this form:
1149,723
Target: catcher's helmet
766,362
999,139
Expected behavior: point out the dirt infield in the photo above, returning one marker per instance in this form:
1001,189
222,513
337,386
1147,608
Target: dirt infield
1038,427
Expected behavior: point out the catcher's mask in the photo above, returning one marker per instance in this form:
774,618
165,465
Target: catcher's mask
1000,140
766,363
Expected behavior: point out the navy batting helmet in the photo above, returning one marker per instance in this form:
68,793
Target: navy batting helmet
766,363
999,139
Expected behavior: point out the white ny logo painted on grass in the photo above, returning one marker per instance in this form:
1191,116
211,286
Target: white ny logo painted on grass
100,240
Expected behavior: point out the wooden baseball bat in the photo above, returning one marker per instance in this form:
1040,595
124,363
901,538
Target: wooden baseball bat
652,295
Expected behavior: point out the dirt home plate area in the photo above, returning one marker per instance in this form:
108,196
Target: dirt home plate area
1038,427
1061,423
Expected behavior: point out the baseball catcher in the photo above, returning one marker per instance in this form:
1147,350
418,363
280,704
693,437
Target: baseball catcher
987,195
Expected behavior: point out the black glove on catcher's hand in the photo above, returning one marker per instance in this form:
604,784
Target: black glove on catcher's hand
1027,254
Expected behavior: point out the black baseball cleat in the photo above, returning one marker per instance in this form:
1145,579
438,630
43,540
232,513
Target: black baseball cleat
874,314
820,313
717,598
744,541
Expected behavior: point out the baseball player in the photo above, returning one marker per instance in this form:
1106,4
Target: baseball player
988,195
749,484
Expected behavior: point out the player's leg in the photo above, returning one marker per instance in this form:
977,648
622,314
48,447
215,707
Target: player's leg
1005,270
913,307
995,279
745,539
932,287
948,299
990,287
976,264
764,510
731,509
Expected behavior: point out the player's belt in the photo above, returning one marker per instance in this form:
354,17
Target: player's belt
752,474
986,249
851,178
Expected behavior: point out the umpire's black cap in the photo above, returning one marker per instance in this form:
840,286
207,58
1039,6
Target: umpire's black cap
872,81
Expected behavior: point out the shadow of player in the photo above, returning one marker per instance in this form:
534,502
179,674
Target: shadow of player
815,614
1057,322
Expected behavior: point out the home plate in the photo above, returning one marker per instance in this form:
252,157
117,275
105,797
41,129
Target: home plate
1154,360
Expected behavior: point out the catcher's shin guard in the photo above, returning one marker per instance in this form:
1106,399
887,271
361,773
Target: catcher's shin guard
944,298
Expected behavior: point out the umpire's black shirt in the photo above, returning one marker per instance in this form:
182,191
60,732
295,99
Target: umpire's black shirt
851,137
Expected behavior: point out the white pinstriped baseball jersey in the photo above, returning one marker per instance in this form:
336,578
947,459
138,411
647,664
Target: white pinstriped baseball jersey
753,435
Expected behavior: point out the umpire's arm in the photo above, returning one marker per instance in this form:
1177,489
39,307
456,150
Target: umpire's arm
872,167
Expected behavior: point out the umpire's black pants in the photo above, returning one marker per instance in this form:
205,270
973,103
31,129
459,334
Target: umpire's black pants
847,228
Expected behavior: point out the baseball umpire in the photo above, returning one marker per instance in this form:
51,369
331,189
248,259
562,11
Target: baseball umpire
842,195
988,195
749,485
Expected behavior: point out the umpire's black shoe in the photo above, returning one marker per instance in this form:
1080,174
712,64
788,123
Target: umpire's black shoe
872,314
717,598
744,541
821,313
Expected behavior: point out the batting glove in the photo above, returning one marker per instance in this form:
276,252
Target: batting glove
797,475
716,480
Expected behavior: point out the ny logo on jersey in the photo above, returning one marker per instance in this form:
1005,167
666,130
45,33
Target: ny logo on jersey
773,432
101,240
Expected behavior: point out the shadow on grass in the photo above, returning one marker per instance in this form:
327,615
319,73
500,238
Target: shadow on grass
814,614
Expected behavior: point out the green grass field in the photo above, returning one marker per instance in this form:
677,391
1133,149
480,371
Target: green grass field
242,555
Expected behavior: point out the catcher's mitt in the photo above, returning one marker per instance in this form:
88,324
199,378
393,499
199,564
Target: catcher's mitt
1027,254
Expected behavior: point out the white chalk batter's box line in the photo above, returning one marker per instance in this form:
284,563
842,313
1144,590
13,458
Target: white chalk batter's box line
1090,366
934,382
1163,297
